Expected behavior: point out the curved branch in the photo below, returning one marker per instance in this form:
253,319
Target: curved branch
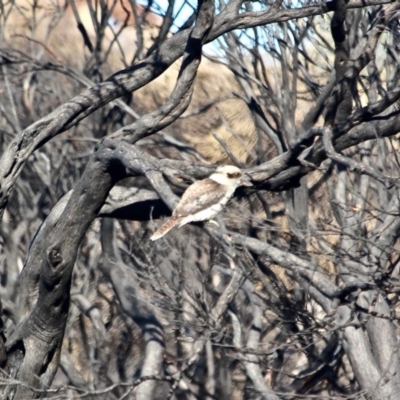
34,348
128,80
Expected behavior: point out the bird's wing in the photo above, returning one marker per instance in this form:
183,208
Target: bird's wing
200,196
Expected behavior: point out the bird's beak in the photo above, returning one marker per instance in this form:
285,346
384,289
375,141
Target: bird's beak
246,181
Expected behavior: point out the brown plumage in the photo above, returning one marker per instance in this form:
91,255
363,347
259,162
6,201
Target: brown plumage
204,199
171,223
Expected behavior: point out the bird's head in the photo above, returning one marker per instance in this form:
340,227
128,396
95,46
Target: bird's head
231,176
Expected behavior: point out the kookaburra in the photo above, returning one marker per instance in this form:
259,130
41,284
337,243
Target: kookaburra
204,199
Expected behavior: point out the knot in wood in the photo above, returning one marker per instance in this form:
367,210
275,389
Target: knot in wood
55,257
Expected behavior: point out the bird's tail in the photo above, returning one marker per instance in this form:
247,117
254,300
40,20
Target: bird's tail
171,223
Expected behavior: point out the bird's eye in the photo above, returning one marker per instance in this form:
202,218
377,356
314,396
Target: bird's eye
234,175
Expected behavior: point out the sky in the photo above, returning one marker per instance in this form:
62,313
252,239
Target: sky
182,11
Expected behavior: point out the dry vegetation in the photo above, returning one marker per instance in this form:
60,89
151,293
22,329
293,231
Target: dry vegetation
292,293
